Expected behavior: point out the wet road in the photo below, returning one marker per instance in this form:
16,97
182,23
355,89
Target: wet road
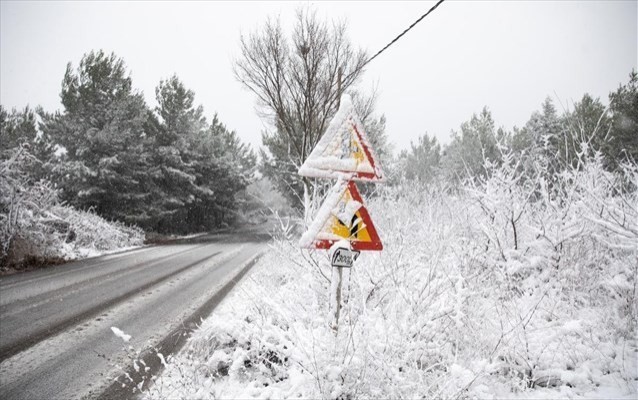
56,340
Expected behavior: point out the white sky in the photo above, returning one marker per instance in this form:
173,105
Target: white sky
467,54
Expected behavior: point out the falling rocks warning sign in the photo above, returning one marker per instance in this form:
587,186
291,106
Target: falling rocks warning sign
343,216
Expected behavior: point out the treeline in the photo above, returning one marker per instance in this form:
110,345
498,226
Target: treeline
166,169
324,64
561,139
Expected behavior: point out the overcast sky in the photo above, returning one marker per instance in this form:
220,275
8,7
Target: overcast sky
507,55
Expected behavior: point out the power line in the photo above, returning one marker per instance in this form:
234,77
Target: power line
403,33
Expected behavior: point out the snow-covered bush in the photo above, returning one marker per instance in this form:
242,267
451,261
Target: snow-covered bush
35,228
505,288
21,202
90,234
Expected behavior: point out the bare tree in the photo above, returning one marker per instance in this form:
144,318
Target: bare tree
298,82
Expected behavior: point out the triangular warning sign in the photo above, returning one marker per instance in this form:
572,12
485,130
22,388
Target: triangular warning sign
342,216
344,150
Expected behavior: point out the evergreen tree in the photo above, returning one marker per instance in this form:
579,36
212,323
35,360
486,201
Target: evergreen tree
587,128
540,139
228,146
17,127
173,156
199,168
102,130
378,139
623,140
422,161
228,168
477,141
20,129
541,126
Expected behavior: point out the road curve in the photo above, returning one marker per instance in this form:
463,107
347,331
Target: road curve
56,340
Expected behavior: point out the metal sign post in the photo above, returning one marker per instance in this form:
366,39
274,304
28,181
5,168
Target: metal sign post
342,256
335,298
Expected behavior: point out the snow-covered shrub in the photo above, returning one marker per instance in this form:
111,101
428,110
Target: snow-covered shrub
36,228
23,205
90,234
563,264
505,288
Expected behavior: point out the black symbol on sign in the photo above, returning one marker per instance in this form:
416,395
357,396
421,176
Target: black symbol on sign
354,228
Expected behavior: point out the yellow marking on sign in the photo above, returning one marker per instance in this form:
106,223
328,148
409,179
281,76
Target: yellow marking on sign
358,231
362,234
339,229
356,151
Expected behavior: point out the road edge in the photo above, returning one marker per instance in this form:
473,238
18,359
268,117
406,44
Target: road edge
171,343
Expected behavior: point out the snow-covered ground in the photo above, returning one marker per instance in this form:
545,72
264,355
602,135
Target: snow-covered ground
500,289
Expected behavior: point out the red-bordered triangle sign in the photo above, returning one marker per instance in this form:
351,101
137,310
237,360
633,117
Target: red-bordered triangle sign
342,216
344,150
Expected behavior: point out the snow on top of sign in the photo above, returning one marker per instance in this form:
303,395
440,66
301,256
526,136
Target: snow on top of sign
346,108
333,154
345,210
333,197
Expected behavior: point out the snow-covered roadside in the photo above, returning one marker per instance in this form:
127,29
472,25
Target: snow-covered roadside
37,229
270,339
479,293
136,241
241,351
62,234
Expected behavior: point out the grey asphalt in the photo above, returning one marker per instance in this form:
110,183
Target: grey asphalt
56,340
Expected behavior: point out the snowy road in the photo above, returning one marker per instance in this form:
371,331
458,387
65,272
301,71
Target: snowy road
55,324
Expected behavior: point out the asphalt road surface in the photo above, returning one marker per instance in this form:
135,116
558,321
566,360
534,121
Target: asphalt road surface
56,340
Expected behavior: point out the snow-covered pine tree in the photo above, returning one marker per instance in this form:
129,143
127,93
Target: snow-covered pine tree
20,127
588,126
463,157
17,127
174,158
538,140
199,168
102,130
422,161
623,140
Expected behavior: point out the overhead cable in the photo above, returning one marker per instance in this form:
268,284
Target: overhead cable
404,32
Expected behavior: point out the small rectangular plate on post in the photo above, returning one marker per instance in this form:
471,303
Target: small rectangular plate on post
343,257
